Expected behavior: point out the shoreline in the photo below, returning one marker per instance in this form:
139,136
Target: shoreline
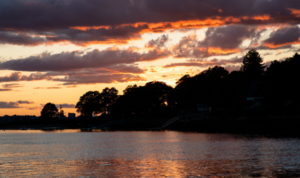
276,125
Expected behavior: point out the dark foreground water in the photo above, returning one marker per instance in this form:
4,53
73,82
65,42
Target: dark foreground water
145,154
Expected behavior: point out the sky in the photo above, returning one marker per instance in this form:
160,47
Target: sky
57,50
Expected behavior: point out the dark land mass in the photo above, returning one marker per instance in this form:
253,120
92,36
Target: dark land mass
256,121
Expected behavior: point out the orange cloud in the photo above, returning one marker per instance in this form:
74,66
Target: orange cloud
295,12
218,50
272,45
258,17
162,26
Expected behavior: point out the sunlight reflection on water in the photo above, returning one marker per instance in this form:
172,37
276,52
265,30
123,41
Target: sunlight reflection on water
145,154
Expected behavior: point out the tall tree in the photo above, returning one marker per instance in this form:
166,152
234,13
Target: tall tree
49,111
253,66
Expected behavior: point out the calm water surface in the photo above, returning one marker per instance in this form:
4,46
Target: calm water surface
145,154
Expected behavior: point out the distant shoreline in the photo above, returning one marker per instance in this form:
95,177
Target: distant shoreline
280,126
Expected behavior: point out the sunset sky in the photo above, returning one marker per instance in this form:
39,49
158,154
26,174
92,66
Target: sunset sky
57,50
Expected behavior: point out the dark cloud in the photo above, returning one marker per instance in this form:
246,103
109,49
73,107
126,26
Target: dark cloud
16,104
93,79
12,85
28,22
65,105
158,43
71,79
207,63
121,68
25,102
186,47
283,37
15,38
45,14
227,37
218,41
76,60
74,36
17,76
5,89
9,104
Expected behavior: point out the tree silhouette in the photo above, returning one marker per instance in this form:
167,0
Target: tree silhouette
281,85
253,66
93,102
151,99
89,104
203,88
49,111
107,98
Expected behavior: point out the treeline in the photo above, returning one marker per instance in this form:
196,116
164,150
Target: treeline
215,87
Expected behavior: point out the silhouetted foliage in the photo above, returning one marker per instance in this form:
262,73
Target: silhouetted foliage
107,97
88,104
281,85
93,102
49,111
149,99
203,88
252,66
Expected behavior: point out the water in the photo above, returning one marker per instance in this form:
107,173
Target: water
145,154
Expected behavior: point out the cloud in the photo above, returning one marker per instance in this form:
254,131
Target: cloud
17,76
218,41
122,68
26,22
47,88
5,89
34,108
186,47
65,105
12,85
9,104
283,37
25,102
76,60
10,37
9,87
227,39
158,43
71,79
13,104
93,79
207,63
